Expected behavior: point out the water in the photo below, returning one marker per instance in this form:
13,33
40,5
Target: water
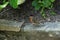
52,28
47,26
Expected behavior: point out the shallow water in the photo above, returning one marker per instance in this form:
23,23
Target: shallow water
47,26
52,28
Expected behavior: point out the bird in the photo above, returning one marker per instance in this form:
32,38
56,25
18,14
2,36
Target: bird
34,20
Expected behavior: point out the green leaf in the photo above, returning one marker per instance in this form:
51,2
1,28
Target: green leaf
37,7
43,15
3,5
52,13
46,3
20,2
52,0
34,3
14,3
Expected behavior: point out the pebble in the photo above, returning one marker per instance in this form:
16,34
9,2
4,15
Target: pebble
5,39
50,35
2,35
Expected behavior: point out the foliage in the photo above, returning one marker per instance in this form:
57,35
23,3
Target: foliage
13,3
42,4
3,5
52,13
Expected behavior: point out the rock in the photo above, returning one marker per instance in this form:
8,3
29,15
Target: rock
5,39
50,35
2,35
8,25
48,19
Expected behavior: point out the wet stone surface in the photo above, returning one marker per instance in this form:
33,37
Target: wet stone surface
9,25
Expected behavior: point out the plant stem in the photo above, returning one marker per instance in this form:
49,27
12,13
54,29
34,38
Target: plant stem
42,13
42,10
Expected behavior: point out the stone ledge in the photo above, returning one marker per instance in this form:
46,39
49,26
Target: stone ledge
8,25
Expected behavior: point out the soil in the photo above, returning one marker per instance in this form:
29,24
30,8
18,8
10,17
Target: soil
22,13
